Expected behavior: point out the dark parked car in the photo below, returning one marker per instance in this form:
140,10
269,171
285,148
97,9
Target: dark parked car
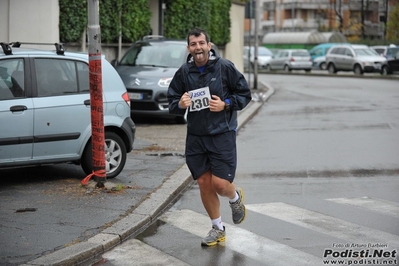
387,51
147,68
392,65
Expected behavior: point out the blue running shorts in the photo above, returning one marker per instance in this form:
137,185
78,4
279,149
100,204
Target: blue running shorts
215,152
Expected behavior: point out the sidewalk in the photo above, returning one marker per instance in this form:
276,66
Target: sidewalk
151,199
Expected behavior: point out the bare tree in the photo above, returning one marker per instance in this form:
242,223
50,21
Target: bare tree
338,12
364,7
385,18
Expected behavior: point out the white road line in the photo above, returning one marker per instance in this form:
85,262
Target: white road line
372,204
135,252
324,224
245,242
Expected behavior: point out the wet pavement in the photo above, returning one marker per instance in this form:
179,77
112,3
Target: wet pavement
43,211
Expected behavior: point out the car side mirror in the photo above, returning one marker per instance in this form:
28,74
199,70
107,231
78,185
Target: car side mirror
114,63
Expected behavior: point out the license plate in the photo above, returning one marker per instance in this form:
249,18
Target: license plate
135,96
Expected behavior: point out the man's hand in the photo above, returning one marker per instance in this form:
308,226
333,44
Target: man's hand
185,101
216,104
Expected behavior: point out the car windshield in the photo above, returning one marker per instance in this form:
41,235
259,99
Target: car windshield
156,55
264,51
365,51
393,51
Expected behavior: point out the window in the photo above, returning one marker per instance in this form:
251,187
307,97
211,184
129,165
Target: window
271,15
318,52
61,77
301,54
156,54
379,50
12,79
365,51
335,50
348,52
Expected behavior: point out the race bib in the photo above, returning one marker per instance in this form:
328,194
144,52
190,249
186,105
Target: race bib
199,99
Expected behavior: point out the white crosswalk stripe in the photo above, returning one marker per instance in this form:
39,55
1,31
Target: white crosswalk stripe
135,252
371,204
259,248
250,244
323,223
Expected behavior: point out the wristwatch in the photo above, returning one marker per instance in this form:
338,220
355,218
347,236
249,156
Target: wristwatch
227,105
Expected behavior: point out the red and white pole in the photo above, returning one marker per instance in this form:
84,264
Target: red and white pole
96,95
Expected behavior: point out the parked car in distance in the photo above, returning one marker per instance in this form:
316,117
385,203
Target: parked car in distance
147,69
45,110
320,63
387,51
318,54
291,59
321,49
356,58
391,66
264,56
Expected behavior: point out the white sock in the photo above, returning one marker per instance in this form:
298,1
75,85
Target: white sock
235,198
218,223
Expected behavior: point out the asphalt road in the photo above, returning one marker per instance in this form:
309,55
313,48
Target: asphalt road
318,164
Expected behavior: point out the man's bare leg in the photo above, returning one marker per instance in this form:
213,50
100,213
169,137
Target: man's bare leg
210,187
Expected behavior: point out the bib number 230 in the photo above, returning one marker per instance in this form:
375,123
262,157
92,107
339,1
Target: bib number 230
200,99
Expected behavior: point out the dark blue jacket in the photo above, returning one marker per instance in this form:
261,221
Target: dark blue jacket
223,80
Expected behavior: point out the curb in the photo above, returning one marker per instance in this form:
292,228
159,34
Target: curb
341,75
145,213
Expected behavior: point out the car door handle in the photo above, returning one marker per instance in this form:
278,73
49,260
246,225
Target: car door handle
86,102
18,108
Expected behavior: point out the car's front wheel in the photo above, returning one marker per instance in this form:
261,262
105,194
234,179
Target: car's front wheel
323,66
358,70
331,69
385,70
115,155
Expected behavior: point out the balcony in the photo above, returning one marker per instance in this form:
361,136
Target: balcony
306,4
310,24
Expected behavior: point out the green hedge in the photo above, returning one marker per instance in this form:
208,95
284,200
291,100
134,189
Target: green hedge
180,16
135,20
213,16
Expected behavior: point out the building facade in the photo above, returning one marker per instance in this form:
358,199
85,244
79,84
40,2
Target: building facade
345,16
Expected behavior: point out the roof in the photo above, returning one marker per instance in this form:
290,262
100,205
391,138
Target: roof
334,37
311,37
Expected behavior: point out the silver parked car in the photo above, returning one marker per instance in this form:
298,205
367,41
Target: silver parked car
291,59
356,58
45,110
320,63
